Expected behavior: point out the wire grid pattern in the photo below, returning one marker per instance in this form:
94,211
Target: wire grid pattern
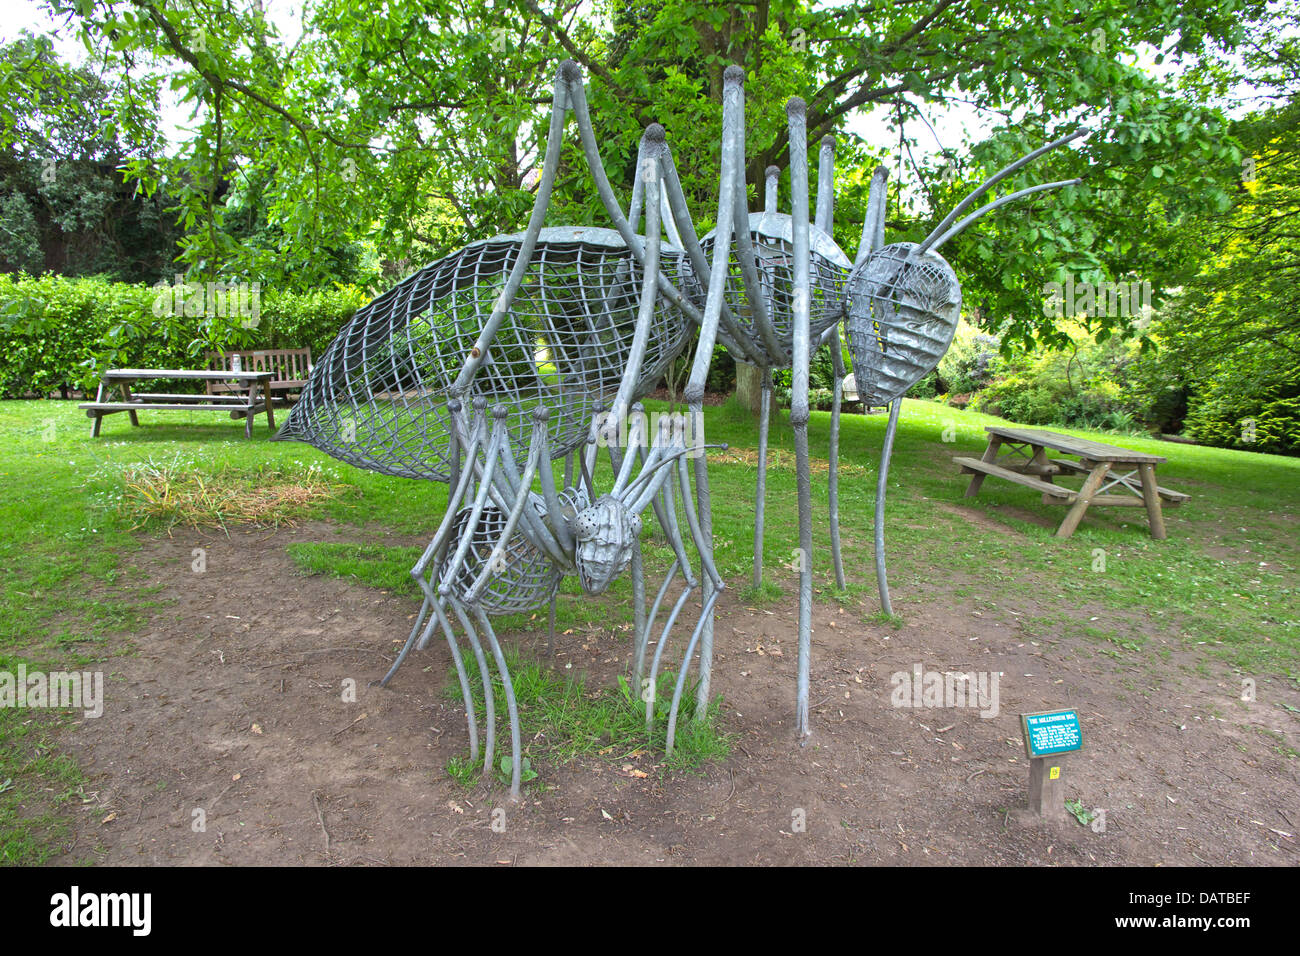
527,578
902,312
774,258
378,397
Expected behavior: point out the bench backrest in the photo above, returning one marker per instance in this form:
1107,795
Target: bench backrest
288,365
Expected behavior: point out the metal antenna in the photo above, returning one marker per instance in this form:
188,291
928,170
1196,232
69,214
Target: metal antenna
948,220
933,244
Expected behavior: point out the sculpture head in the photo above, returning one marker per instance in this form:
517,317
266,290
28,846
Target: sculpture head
903,301
606,533
902,307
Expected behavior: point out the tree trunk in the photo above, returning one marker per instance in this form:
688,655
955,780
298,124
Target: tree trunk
749,386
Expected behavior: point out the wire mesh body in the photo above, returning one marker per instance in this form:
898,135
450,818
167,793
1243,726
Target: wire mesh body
377,398
771,237
903,308
523,577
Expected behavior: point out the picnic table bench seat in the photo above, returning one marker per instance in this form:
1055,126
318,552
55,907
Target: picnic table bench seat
1019,455
247,395
289,369
971,465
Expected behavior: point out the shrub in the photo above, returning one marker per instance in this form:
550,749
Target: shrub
58,333
821,379
969,364
1263,417
1085,386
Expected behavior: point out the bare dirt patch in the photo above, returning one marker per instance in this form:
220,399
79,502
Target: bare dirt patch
228,709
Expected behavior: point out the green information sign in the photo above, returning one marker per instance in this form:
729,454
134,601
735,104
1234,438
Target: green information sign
1052,732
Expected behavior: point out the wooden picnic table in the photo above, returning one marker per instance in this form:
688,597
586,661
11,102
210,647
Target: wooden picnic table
1025,461
244,402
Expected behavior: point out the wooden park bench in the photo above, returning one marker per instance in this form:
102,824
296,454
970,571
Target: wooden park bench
289,369
1024,461
248,393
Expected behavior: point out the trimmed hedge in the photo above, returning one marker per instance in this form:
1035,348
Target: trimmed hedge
58,333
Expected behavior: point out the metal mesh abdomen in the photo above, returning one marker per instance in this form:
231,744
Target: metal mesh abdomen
378,397
526,579
771,235
902,312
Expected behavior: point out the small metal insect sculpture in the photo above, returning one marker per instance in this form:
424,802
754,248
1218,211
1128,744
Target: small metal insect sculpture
487,366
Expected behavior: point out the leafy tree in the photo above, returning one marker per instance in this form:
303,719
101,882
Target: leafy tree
358,125
1230,342
64,204
19,242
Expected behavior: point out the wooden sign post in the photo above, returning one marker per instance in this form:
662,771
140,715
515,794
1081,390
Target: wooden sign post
1049,736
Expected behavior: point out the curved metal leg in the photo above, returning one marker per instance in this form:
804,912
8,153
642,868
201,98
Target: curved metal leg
643,642
470,717
764,421
665,507
485,675
638,594
653,686
702,529
550,627
882,580
512,706
712,582
706,617
410,643
833,477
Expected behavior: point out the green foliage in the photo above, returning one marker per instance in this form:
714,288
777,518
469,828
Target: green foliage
970,362
1229,356
821,379
506,765
1174,379
307,319
1079,811
64,200
928,387
371,143
58,333
53,330
1080,386
20,241
1264,418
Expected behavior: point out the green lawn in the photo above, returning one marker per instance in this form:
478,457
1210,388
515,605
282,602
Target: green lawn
1224,583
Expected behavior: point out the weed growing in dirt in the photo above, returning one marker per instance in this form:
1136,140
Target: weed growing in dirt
562,719
1080,812
178,493
376,566
765,593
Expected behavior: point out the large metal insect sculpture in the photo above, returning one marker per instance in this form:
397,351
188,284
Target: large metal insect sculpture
486,368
